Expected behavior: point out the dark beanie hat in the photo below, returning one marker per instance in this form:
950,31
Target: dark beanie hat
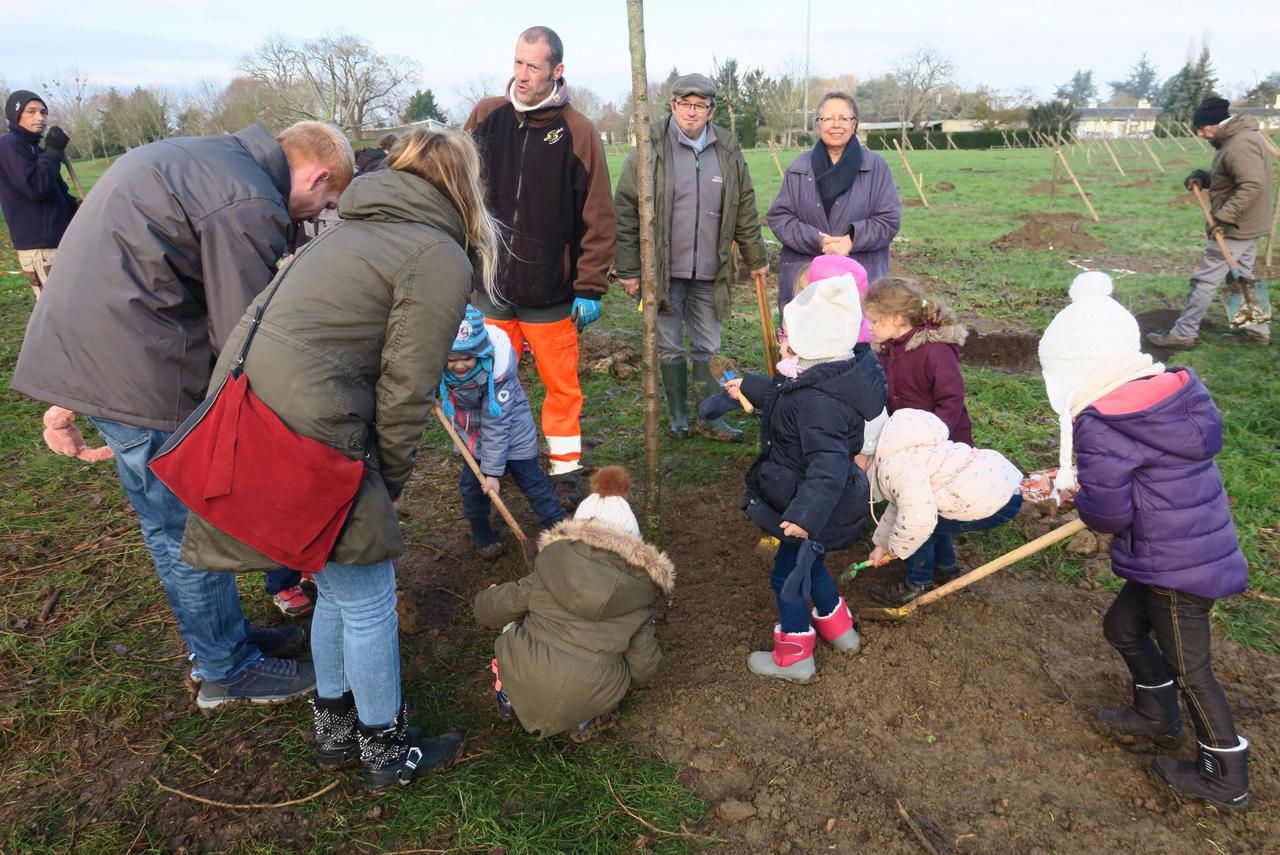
18,101
1212,111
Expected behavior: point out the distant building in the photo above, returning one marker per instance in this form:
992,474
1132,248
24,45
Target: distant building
1138,121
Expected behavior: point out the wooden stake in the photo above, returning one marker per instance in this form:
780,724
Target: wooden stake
928,141
1114,159
1275,221
1170,135
919,189
1076,182
773,152
1006,138
951,144
1151,151
1275,151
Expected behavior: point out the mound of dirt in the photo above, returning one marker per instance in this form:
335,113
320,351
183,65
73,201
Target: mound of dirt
1048,186
944,187
1062,232
1009,350
975,714
1144,183
1178,161
606,354
912,203
1184,199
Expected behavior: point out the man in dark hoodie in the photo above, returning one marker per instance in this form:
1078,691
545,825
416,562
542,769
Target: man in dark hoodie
36,203
1239,188
548,184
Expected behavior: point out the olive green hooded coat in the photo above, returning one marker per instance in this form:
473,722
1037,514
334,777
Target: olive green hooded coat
351,349
582,634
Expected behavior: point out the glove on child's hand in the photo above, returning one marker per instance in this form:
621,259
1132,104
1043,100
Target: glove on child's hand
63,437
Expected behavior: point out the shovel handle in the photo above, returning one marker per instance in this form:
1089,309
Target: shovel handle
766,325
475,470
1208,218
1062,532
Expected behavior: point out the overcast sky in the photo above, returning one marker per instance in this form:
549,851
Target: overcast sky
1003,43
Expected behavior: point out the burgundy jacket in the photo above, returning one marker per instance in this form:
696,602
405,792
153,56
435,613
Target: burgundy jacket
923,370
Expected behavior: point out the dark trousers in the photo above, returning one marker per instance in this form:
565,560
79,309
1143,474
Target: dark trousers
939,551
794,617
281,580
1180,622
531,480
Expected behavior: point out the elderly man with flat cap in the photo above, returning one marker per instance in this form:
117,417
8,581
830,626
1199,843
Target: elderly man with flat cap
703,203
1239,188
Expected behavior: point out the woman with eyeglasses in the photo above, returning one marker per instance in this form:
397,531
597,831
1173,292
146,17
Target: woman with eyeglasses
838,199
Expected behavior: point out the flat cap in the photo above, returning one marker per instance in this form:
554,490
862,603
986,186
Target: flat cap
693,84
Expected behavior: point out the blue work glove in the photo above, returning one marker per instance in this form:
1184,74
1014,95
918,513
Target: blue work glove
584,312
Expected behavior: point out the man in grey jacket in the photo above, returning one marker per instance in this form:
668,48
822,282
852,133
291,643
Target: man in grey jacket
159,265
703,202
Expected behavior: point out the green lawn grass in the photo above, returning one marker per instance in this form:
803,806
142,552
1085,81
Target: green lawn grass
107,667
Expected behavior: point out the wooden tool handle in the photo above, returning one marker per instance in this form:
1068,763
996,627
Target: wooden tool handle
766,324
1060,533
475,470
1208,218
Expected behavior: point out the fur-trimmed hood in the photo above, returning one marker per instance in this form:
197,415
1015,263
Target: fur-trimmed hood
633,550
920,336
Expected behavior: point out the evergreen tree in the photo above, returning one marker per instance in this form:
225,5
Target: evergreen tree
422,105
1139,85
1265,93
1079,90
1053,117
1184,91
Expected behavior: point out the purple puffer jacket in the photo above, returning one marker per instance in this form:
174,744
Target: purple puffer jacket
870,209
1148,477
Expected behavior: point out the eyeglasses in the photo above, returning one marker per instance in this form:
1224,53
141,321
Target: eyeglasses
835,120
692,106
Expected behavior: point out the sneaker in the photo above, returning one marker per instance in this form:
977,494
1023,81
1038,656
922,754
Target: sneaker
1169,341
567,492
279,642
899,593
294,602
943,575
267,681
485,540
591,728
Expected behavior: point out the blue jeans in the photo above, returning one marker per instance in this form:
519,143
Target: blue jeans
207,605
355,639
693,308
281,580
794,617
938,550
531,480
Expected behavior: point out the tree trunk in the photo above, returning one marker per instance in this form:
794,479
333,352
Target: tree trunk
648,275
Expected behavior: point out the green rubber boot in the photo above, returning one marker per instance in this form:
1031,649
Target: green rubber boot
675,381
705,386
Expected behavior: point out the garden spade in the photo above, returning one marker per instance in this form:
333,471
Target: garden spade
475,470
1044,540
1251,301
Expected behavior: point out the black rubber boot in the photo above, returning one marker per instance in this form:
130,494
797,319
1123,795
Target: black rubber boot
336,744
899,593
1154,714
400,753
705,386
1217,775
675,382
485,540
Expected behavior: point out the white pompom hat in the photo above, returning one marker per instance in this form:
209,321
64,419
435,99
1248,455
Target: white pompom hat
607,503
824,319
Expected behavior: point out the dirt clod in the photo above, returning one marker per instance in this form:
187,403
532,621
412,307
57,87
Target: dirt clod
1062,232
733,811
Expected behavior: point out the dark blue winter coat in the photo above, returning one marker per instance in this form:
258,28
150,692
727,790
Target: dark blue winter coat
37,206
810,429
1147,475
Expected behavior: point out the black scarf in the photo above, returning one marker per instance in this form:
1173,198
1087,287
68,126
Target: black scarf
834,181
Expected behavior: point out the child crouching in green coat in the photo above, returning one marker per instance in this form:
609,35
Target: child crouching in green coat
578,630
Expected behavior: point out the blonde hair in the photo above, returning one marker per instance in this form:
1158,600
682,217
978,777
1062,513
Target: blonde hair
897,295
802,280
448,160
321,143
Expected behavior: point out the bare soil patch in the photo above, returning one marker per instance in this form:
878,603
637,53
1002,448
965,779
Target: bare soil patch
1009,350
1184,199
1145,183
912,203
944,187
1048,186
1063,232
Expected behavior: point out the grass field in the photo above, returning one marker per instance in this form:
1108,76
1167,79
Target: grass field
104,670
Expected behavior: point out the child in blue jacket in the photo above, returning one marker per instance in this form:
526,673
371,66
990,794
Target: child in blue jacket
480,391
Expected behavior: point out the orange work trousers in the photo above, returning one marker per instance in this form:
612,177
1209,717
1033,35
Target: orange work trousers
555,352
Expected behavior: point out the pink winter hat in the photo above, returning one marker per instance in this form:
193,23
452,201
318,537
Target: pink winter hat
830,266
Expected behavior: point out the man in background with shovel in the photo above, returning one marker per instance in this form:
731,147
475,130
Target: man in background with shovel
35,200
1239,188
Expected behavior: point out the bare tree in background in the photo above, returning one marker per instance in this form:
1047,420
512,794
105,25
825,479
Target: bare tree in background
71,97
923,77
588,103
472,93
336,78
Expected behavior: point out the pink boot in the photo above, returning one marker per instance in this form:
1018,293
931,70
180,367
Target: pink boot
839,629
790,659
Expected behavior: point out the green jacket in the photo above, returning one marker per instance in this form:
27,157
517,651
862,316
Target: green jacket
583,633
351,349
739,217
1240,182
